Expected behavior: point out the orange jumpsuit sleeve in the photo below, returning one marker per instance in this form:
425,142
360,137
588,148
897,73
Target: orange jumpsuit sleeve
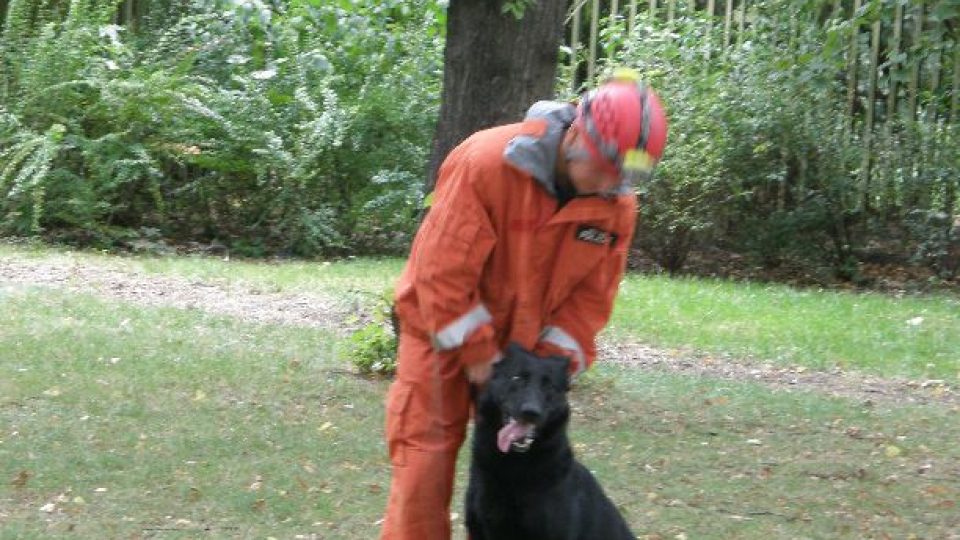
571,330
454,242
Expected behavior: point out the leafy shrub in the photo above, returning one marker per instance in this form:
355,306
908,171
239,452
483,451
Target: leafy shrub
937,240
273,127
758,169
373,348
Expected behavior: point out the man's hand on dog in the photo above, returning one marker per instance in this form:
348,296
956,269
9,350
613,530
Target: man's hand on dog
479,373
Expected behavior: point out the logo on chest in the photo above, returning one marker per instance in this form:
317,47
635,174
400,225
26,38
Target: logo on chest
594,235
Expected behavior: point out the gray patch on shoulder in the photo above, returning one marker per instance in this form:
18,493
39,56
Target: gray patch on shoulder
537,155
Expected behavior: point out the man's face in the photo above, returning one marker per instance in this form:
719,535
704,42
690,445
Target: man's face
589,176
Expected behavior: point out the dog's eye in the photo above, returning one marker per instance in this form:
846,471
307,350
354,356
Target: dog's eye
520,377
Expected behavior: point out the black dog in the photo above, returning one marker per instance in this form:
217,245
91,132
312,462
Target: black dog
524,482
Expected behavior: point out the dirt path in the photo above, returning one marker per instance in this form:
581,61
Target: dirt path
219,297
853,385
250,304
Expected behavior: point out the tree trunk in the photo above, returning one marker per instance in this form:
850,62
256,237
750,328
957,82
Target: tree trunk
495,67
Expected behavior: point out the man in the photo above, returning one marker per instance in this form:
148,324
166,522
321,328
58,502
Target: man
526,241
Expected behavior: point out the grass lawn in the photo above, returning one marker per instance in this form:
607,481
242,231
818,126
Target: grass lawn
119,421
913,336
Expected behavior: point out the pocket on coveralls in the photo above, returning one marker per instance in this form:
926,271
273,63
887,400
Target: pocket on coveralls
398,404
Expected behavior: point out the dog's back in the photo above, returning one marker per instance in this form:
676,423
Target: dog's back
524,481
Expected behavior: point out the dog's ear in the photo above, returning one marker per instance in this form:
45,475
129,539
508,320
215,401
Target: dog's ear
560,370
515,351
509,359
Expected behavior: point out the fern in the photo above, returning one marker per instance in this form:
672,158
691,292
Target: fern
28,162
91,12
215,120
19,23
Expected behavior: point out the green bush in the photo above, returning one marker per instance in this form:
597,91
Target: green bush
290,128
373,348
759,160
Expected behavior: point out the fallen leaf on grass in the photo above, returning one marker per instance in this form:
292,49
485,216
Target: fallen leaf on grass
303,484
936,490
52,392
892,451
20,480
721,400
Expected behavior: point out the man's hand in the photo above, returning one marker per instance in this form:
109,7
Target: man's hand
545,349
479,373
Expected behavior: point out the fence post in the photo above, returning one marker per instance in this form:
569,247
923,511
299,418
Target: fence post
868,127
852,64
912,191
594,23
633,15
935,61
742,22
707,45
891,172
575,47
955,87
614,9
727,22
914,84
129,14
894,52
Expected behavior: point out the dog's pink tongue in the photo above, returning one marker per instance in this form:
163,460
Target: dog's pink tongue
513,431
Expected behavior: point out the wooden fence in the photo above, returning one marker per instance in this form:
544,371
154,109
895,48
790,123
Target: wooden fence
916,46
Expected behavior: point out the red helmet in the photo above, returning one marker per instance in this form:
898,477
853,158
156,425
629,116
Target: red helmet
625,127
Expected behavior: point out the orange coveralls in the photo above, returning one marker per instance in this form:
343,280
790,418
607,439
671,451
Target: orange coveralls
494,261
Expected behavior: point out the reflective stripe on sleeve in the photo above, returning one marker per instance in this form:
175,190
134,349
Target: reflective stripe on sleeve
455,334
558,337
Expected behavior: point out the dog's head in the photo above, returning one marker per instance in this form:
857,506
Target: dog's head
529,392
